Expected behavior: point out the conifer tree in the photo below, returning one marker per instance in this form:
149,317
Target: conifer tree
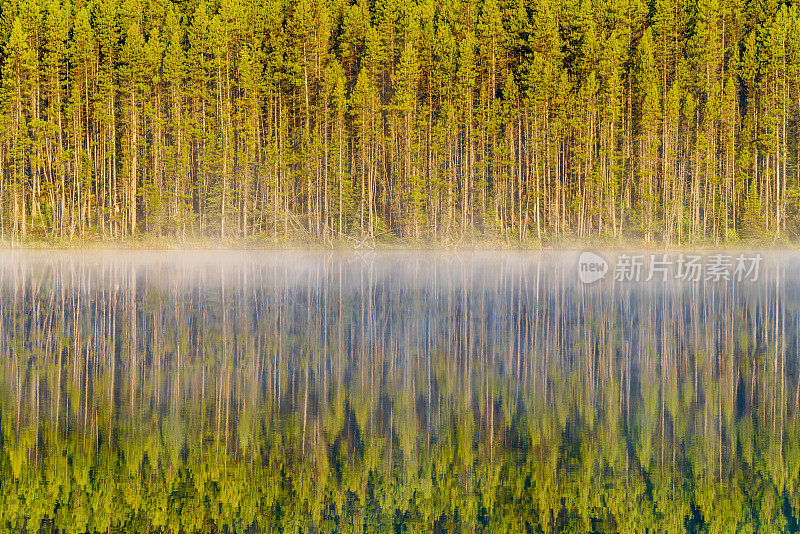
18,70
650,104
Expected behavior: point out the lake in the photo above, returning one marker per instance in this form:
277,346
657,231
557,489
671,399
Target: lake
399,392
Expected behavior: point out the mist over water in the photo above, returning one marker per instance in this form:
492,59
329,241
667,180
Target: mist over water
377,392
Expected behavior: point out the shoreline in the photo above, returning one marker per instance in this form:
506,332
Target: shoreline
384,245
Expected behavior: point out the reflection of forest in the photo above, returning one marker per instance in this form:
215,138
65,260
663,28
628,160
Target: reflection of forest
379,394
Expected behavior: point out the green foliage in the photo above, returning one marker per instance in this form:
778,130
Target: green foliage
242,119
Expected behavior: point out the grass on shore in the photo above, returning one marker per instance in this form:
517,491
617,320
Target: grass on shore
388,242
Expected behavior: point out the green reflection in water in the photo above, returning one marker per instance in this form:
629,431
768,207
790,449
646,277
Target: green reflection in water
383,393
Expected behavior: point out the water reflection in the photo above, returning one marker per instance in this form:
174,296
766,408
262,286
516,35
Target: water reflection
393,392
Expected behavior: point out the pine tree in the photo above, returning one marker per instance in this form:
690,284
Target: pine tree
176,160
342,185
650,105
405,103
134,81
201,114
110,212
466,77
18,72
56,32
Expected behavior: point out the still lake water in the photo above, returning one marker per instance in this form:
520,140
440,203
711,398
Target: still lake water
394,392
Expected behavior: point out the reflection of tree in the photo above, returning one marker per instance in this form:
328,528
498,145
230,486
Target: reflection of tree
491,395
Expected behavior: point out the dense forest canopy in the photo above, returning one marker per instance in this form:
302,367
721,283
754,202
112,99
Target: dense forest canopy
674,121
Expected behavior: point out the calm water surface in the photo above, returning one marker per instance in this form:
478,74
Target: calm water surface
393,392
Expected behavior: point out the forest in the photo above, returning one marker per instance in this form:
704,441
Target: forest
524,120
278,398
